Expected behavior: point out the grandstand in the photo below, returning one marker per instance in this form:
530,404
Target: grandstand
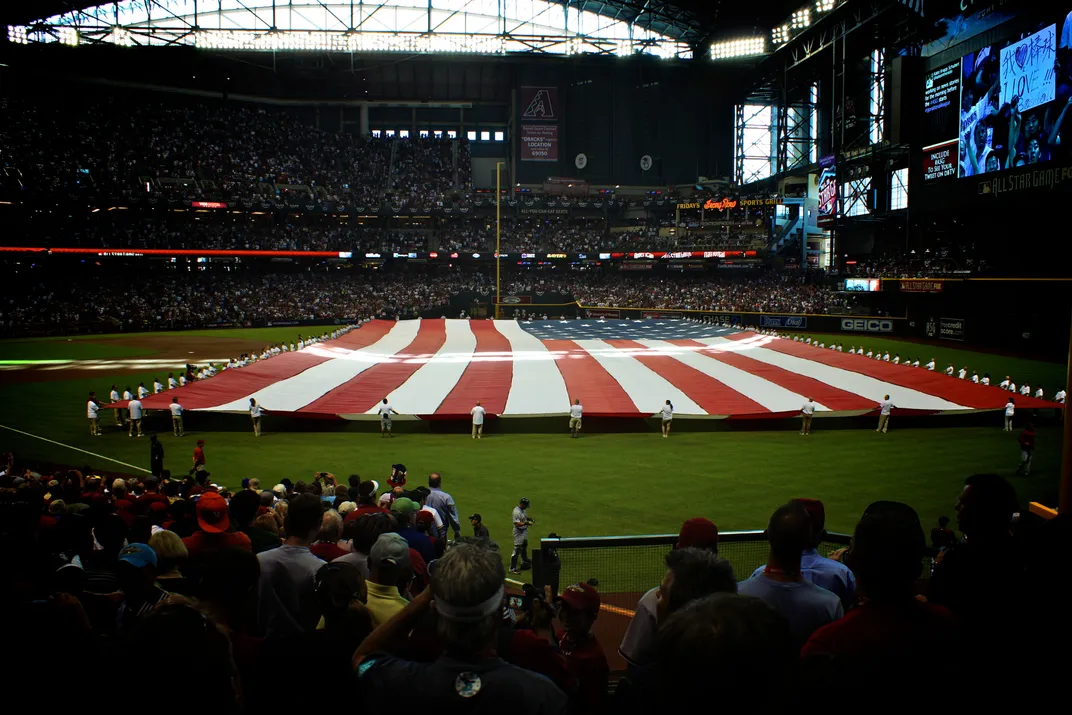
256,252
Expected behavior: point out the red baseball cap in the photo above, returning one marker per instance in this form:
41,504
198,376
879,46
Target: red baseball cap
212,513
425,517
581,597
697,532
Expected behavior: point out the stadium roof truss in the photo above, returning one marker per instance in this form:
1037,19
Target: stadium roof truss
488,27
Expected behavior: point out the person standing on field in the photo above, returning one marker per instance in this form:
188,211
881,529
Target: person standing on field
575,413
385,411
135,417
1027,449
806,413
176,417
92,408
667,414
522,522
156,456
158,386
199,456
114,397
478,413
885,407
172,383
255,413
1010,410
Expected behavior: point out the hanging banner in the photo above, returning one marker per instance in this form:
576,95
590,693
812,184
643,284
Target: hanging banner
827,197
539,104
539,142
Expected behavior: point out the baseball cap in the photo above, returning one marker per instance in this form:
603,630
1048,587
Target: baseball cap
581,597
138,555
697,532
212,513
158,506
404,505
398,467
389,548
425,517
368,488
475,516
816,511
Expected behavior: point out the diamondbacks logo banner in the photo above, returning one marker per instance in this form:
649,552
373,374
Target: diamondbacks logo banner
539,104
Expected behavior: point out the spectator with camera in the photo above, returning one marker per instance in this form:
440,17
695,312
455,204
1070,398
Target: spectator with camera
467,590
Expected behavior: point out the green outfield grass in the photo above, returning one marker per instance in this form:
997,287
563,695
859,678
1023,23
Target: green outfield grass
598,485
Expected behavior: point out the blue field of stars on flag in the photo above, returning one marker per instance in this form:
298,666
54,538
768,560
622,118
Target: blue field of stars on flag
603,329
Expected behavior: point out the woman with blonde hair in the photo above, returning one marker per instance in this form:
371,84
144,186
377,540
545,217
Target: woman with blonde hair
171,553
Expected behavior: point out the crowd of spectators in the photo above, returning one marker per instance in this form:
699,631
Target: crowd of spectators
392,607
171,299
204,298
111,148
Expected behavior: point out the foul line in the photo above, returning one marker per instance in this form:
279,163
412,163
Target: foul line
77,449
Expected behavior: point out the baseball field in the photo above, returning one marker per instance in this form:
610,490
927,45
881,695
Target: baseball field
603,484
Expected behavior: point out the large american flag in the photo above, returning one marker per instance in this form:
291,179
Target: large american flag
440,368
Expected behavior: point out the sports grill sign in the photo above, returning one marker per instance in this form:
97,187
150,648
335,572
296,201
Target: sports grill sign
783,321
602,313
866,325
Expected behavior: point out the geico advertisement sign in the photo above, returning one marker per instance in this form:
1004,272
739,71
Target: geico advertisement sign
867,325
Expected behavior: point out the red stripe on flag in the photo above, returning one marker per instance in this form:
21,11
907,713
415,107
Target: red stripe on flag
363,392
588,381
823,393
487,380
961,392
714,396
233,384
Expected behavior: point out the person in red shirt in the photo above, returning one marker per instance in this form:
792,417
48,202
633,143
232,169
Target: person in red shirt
890,633
577,609
366,501
214,529
150,496
327,546
199,455
1027,449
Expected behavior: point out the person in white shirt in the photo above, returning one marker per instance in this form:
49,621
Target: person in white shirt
1010,410
963,374
808,341
478,413
806,413
285,348
822,345
897,359
128,395
176,417
1039,394
143,391
1004,384
92,408
135,417
840,348
950,370
158,386
870,354
975,378
667,414
852,350
930,366
885,357
182,379
1059,396
301,345
114,397
915,363
172,383
255,413
575,413
1012,387
885,407
385,411
292,348
1025,390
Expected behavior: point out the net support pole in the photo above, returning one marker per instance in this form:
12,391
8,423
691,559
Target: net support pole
498,235
1064,503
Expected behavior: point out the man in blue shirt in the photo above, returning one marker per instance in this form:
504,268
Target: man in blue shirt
404,509
826,573
782,586
444,504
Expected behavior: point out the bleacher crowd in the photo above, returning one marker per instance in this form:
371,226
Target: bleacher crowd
377,595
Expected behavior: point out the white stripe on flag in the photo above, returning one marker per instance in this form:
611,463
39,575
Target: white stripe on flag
296,392
426,389
863,385
537,387
773,397
645,388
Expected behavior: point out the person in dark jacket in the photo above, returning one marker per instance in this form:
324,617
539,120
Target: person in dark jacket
156,456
